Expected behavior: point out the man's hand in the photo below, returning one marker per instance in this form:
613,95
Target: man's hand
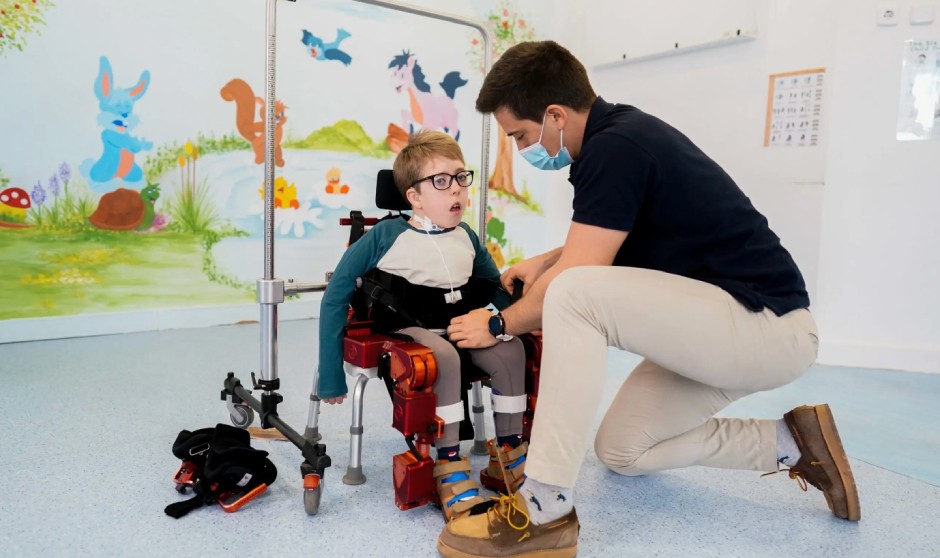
528,270
334,400
472,331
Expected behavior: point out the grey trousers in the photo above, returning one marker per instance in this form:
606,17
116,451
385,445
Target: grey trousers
505,364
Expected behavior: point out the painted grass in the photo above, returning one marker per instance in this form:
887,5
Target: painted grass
44,274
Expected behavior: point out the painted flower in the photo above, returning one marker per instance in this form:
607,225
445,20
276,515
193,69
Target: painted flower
521,23
38,194
65,172
54,185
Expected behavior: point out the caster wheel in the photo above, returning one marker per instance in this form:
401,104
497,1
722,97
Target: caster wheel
313,489
242,415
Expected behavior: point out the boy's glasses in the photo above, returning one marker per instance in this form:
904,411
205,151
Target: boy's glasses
444,181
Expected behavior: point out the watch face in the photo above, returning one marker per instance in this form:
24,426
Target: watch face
494,325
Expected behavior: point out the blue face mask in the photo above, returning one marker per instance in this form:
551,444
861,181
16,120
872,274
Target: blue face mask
538,156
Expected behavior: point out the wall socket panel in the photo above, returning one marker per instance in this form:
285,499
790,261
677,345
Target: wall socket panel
922,15
887,15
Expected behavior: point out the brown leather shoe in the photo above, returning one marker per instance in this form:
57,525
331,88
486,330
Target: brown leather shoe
505,530
823,462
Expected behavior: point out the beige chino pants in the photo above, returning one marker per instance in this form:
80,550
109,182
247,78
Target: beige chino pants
702,350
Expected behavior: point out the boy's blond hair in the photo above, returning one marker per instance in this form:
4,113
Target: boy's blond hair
421,148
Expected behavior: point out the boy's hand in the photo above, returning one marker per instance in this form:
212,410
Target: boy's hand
333,400
472,331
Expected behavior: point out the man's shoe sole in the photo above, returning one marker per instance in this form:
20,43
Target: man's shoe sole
570,552
828,427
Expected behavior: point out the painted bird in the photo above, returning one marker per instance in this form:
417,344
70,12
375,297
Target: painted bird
327,51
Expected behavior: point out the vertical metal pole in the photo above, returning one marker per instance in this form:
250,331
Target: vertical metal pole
267,291
487,61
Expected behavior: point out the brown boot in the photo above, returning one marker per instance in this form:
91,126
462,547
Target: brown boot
451,487
508,459
504,531
823,462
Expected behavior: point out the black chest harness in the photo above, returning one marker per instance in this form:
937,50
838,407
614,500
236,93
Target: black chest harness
394,303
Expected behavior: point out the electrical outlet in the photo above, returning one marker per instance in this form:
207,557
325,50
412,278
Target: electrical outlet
887,15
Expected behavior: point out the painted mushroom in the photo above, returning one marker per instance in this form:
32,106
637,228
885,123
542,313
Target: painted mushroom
14,202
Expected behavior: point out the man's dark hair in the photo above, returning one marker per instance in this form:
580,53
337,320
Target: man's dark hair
530,76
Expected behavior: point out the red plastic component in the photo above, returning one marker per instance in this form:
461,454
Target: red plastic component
187,473
413,481
413,413
364,349
533,366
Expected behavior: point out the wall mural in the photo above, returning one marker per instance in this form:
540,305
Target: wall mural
144,188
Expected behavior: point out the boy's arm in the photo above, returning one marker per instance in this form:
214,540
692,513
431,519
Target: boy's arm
361,257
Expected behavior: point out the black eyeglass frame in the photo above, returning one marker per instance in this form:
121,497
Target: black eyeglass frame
452,177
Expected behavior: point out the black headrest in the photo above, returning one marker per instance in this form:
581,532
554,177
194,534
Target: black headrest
387,195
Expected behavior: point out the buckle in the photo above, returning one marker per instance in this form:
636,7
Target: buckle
202,449
376,291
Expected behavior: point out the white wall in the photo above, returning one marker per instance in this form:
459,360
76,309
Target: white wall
856,210
879,274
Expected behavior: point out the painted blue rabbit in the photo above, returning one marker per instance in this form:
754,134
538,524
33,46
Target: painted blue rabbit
116,166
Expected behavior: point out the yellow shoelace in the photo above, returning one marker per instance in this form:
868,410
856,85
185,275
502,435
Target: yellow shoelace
505,508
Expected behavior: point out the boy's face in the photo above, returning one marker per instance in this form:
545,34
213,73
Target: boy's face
444,207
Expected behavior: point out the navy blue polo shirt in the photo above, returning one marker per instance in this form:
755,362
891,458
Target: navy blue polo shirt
685,215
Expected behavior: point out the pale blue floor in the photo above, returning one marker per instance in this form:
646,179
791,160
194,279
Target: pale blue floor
90,422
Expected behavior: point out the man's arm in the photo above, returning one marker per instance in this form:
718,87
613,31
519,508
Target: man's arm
585,245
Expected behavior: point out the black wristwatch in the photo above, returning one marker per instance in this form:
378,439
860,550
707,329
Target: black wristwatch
497,326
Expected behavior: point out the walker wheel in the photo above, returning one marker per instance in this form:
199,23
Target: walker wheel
242,415
313,489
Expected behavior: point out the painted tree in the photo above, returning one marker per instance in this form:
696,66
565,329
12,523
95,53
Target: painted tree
19,18
507,28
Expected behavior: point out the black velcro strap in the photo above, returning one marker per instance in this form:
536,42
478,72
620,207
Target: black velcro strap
177,510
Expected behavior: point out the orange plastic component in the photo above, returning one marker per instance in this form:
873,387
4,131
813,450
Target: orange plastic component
311,481
413,366
234,501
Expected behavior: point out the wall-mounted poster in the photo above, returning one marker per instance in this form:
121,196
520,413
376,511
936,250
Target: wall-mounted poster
919,110
794,108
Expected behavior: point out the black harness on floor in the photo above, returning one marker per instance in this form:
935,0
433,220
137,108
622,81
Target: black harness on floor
394,303
219,465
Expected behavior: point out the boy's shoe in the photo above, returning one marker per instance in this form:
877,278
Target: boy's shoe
504,530
513,462
823,462
457,492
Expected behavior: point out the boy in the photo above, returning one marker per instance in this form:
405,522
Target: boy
438,268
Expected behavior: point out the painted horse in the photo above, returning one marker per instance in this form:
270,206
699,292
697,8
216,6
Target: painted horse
427,110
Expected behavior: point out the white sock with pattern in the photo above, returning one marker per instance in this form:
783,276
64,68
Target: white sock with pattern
546,502
787,451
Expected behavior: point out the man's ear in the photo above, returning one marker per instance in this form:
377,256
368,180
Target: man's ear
558,114
413,197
